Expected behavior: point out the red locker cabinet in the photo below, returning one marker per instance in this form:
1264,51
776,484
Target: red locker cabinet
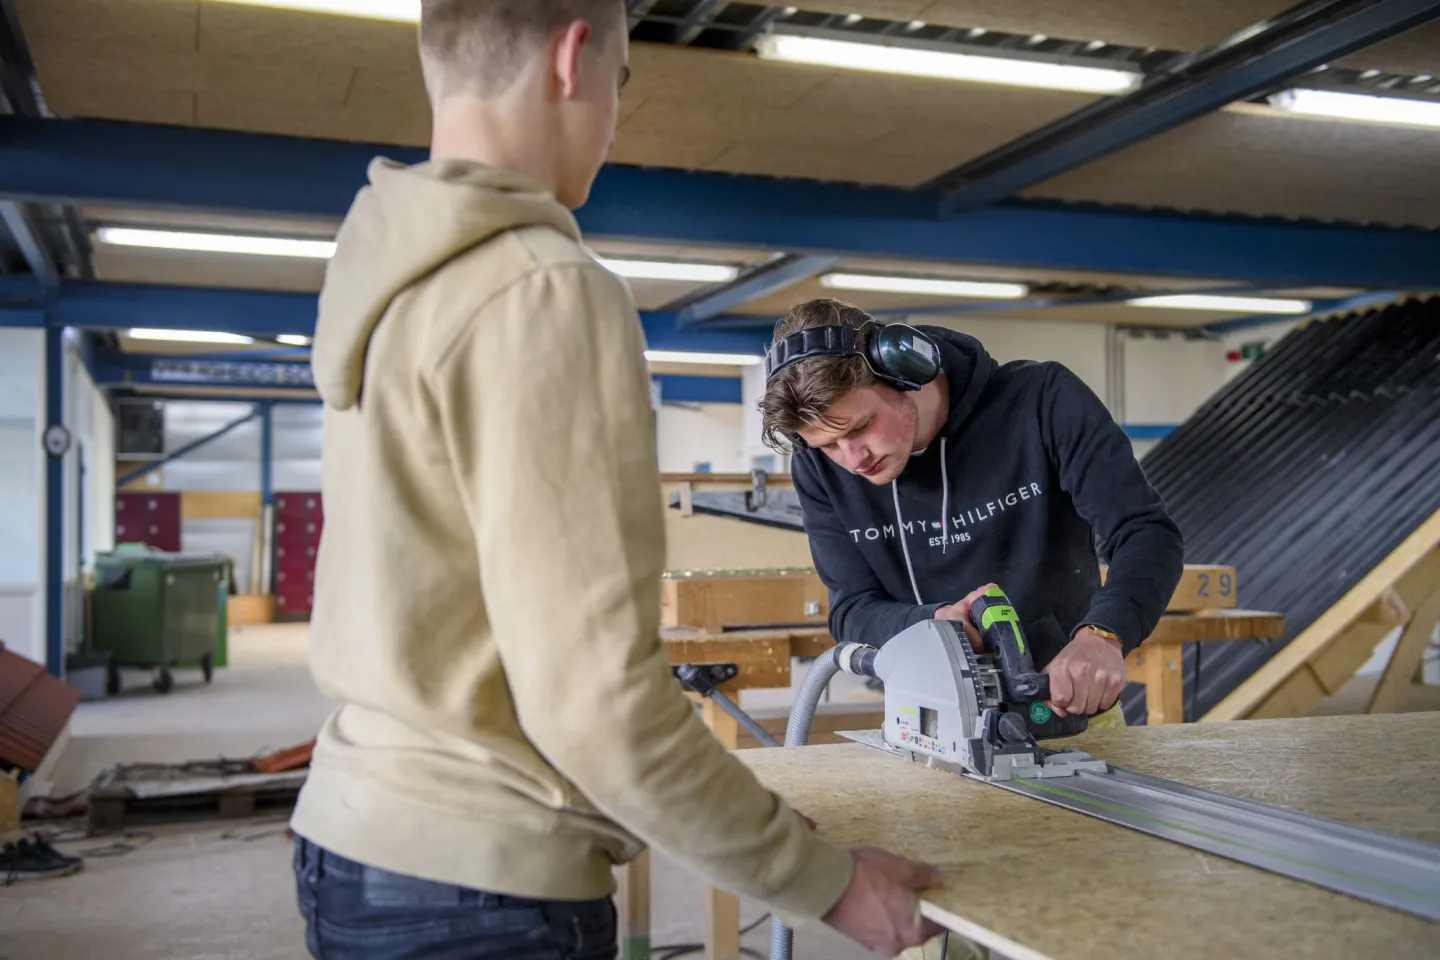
149,518
299,517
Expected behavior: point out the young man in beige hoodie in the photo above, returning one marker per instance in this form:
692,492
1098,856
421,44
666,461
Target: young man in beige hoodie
487,595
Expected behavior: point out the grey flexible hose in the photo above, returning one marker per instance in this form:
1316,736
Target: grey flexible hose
854,658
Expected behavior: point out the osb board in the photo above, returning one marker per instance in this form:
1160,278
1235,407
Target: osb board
711,602
1139,23
1271,164
1035,881
1206,625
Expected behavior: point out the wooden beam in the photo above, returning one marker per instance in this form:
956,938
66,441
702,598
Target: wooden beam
722,908
1247,699
712,602
633,908
1389,693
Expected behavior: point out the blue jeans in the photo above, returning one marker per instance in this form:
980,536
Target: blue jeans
357,912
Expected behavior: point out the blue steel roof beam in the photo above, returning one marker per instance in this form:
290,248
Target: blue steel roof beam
785,271
135,164
22,229
1254,60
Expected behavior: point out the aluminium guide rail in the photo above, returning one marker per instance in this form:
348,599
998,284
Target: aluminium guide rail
1397,872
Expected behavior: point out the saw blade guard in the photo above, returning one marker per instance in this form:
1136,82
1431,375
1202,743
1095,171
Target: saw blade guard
934,697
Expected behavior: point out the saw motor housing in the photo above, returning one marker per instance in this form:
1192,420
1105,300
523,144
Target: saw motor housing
946,706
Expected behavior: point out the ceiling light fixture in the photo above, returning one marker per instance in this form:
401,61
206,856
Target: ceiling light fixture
1358,106
917,61
1223,304
720,359
402,11
293,340
927,286
668,270
187,336
216,243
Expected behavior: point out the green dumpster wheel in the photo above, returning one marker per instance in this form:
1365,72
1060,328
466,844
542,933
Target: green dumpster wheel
207,665
164,681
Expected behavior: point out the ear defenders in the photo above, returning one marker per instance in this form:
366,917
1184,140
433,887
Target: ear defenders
898,355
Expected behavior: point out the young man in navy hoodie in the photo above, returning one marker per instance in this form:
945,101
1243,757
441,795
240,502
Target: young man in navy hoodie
928,472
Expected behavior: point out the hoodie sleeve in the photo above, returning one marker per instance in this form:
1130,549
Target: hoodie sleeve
544,404
1097,467
861,610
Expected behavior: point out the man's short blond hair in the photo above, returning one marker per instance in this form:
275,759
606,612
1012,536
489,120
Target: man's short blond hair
478,46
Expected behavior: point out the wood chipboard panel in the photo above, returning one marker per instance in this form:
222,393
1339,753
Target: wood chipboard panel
1037,882
708,602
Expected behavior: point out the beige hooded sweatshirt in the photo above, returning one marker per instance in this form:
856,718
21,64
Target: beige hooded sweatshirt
487,592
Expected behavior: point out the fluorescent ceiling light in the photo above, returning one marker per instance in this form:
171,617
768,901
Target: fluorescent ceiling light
928,286
187,336
942,64
293,339
1358,106
1204,301
216,243
725,359
666,270
404,11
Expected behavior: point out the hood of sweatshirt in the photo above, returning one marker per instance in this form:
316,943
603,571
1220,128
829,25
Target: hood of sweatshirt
968,369
407,222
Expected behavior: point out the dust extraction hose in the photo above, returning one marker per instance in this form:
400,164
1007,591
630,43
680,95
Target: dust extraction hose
856,658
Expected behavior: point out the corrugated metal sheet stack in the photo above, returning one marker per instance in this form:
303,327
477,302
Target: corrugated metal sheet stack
34,708
1305,472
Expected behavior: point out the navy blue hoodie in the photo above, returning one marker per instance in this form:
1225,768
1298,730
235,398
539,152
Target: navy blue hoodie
1027,472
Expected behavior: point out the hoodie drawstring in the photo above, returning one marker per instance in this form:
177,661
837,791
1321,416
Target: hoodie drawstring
944,501
944,522
904,547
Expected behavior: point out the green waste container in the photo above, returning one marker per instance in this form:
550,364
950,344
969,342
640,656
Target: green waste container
156,611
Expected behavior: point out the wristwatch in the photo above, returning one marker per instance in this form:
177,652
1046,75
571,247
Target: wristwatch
1107,634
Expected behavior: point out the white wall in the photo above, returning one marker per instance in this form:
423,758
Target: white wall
22,492
232,463
1082,347
690,434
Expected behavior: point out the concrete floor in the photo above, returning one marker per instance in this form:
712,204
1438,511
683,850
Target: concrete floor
222,889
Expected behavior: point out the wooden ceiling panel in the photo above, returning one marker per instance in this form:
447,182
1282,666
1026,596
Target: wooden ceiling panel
1269,165
662,150
139,27
1139,23
391,93
817,163
716,77
288,35
1168,25
773,127
303,120
185,71
959,120
1415,52
189,269
74,97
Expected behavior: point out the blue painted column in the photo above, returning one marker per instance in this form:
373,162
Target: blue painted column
54,505
267,454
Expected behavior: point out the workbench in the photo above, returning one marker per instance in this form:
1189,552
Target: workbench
763,658
1036,882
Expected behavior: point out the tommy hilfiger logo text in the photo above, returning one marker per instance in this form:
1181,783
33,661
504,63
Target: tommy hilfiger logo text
970,517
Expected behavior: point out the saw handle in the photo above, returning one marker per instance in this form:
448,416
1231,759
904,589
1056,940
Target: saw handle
994,616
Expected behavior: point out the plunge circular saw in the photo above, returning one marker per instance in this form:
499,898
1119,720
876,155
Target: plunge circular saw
981,714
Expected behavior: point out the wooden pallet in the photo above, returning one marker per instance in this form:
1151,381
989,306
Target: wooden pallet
154,793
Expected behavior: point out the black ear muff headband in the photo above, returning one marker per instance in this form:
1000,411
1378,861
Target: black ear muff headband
898,354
